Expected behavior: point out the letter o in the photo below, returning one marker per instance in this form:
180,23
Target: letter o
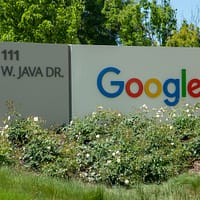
128,87
147,87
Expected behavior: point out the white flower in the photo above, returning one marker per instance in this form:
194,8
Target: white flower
109,161
2,133
157,115
113,154
8,117
48,147
99,108
71,122
98,136
162,109
174,115
187,110
171,127
35,119
126,182
172,143
93,173
119,115
87,155
186,104
144,106
118,160
77,136
117,152
93,114
6,126
85,174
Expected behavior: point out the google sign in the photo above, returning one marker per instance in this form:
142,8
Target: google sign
180,86
125,78
59,82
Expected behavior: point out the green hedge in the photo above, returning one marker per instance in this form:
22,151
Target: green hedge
107,146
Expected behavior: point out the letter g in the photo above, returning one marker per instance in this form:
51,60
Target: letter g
120,84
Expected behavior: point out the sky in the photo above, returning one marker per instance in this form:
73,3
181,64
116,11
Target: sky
187,9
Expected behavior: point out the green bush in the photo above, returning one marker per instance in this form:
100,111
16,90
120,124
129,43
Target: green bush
107,146
5,150
40,150
20,130
121,150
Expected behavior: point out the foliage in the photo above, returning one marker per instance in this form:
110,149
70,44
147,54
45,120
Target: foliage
20,185
187,36
113,149
162,21
20,130
132,30
107,146
40,150
191,181
92,29
141,22
40,21
5,150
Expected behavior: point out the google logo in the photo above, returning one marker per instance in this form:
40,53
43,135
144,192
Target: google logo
181,87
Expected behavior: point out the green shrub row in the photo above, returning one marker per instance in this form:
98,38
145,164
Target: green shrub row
106,146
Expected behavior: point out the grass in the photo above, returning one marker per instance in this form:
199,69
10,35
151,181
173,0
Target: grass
29,186
16,185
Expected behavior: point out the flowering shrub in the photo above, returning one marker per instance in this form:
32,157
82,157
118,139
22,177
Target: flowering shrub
107,146
40,150
117,149
20,130
5,150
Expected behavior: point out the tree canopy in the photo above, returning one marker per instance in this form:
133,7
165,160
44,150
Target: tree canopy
52,21
135,22
187,36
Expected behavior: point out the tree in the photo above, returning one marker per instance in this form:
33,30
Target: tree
125,19
132,30
92,29
135,22
141,22
162,20
52,21
187,36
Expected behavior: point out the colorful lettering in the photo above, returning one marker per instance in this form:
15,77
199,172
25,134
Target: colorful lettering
173,89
